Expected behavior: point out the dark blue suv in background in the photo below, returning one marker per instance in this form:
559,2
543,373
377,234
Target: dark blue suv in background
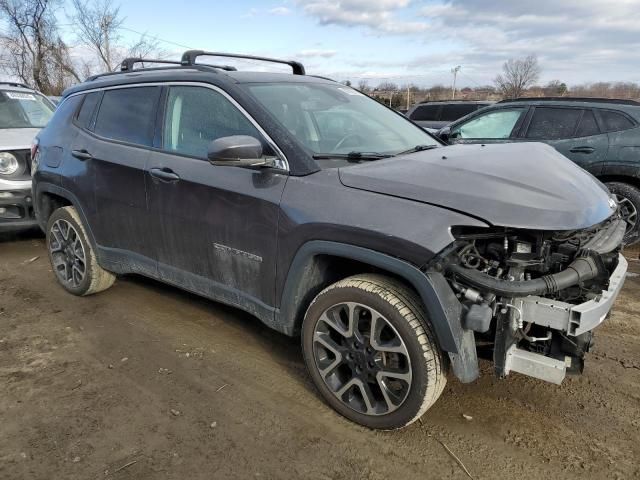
600,135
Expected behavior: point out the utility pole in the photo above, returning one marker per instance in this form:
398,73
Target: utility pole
455,74
408,95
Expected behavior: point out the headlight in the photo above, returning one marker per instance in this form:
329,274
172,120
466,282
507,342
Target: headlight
8,163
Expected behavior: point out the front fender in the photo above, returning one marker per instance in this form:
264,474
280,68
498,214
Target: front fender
442,306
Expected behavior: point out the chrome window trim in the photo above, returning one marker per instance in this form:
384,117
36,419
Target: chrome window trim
283,164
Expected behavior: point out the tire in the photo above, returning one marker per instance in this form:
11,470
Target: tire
72,257
628,197
401,384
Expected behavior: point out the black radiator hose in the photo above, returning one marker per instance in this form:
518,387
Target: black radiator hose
580,270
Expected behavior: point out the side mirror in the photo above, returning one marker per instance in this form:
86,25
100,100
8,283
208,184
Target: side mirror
238,151
444,133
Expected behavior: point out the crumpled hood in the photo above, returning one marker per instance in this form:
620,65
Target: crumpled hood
17,138
521,185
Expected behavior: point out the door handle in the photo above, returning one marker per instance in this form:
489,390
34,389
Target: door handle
81,155
582,150
164,174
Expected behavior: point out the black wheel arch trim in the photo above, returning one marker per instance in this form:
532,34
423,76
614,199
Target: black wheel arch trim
443,308
41,188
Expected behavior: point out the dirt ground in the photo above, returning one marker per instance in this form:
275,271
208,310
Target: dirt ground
146,382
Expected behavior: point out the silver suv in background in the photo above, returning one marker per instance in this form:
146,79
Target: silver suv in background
23,112
435,115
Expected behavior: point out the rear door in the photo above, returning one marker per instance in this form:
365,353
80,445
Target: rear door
117,150
216,225
574,132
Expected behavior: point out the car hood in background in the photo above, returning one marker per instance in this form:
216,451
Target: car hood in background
523,185
17,138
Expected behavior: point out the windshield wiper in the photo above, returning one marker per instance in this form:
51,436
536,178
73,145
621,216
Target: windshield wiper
418,148
354,156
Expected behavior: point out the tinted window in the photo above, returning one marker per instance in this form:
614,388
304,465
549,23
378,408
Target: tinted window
198,115
553,123
614,122
494,124
128,114
588,125
453,112
88,107
426,113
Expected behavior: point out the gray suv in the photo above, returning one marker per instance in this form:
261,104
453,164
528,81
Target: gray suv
23,112
334,219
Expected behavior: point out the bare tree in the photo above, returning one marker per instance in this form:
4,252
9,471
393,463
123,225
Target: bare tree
517,75
99,25
32,49
363,86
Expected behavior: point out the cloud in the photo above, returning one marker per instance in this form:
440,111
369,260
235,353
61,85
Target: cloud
378,15
311,53
280,11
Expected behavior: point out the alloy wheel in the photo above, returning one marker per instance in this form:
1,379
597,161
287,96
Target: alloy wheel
362,359
67,253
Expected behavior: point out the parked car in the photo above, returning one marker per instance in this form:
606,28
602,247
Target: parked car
435,115
55,99
600,135
23,111
330,217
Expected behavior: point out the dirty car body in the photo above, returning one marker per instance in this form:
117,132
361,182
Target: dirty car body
518,257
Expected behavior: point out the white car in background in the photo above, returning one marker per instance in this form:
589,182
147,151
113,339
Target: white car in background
23,112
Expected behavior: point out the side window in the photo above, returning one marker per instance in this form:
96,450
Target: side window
128,114
426,113
451,113
553,123
614,122
85,115
495,124
196,116
588,125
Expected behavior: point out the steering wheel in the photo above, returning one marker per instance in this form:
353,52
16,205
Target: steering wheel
346,138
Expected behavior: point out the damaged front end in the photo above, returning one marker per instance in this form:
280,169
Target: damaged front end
533,297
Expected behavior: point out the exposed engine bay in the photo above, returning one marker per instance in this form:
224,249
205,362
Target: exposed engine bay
533,297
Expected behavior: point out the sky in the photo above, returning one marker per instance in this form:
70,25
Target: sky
405,41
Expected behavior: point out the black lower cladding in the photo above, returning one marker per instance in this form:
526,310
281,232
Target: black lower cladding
16,210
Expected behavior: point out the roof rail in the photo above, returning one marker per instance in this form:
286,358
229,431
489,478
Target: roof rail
128,63
621,101
189,58
16,84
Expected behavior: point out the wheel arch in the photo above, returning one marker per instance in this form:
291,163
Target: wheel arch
314,267
49,197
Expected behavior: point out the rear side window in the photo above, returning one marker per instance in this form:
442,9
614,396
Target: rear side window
553,123
614,122
588,125
89,104
453,112
128,114
426,113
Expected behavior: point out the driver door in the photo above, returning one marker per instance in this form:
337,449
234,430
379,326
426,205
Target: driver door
217,225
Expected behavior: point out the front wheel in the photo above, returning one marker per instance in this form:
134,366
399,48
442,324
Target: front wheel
628,198
371,351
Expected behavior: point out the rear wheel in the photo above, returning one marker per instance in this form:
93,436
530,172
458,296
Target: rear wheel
72,257
628,198
371,352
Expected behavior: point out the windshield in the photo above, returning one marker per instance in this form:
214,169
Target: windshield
337,120
24,110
